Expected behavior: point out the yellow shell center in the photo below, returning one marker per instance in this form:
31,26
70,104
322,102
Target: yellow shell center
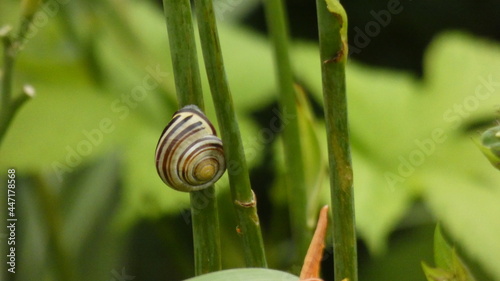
206,170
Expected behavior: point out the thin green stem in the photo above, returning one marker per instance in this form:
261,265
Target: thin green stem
8,105
206,233
332,24
8,69
296,189
7,114
11,46
183,52
242,195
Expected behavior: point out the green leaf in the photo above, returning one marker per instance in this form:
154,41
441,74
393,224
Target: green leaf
437,274
86,197
244,274
379,208
77,127
446,257
448,264
313,153
443,252
89,204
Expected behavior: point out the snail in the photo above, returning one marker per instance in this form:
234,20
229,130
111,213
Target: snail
189,155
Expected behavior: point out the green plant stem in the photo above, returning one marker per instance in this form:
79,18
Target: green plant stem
206,233
7,114
8,105
183,52
8,69
11,46
242,195
333,49
295,179
6,111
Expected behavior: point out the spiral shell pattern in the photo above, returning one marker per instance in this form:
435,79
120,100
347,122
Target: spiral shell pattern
189,155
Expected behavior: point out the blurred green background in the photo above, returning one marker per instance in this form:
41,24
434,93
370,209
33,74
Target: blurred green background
423,81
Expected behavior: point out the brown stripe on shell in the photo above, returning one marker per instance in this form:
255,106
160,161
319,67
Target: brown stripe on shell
195,110
176,143
165,142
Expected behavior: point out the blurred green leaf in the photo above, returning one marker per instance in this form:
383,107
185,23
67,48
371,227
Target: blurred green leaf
89,200
316,168
378,207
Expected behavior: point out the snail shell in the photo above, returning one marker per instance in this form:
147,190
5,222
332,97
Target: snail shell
189,155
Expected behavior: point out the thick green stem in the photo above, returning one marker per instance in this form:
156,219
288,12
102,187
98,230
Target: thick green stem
183,52
295,179
242,195
332,24
206,234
